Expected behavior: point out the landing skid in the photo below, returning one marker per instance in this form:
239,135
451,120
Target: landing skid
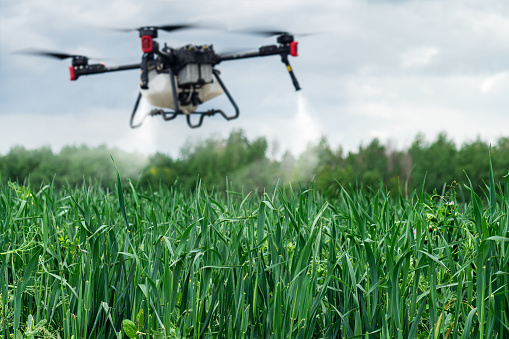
170,115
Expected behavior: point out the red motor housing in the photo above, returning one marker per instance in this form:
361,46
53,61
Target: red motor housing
73,75
293,48
146,44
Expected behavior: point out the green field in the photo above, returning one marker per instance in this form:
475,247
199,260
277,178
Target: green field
90,263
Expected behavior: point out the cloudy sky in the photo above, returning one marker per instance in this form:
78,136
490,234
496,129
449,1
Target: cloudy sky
386,69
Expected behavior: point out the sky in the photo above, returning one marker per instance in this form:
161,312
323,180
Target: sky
373,68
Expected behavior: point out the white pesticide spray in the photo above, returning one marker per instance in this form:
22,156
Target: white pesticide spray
305,127
145,135
305,132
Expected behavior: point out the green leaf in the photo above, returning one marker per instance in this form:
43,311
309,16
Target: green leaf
135,194
129,328
413,329
261,223
121,196
493,195
435,259
40,324
468,323
27,275
498,238
140,318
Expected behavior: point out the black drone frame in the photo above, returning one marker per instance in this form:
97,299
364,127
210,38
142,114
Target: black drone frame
173,60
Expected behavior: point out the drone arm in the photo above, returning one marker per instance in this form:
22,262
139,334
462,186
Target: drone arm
284,59
144,71
283,50
77,71
262,51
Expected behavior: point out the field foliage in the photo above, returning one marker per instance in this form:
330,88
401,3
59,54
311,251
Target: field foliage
89,263
259,164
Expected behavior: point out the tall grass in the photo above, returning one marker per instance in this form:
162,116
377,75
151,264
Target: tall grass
86,263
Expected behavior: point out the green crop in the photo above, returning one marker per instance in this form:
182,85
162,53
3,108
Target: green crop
88,263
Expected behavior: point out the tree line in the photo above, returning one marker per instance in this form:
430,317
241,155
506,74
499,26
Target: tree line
246,164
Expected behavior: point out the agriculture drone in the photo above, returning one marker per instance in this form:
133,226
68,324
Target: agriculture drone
180,79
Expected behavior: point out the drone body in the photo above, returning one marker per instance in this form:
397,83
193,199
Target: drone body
190,70
181,79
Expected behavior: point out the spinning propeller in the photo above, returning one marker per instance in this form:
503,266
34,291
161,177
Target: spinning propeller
166,28
55,55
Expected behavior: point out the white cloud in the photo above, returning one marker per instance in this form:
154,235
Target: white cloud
380,134
418,57
369,91
489,83
403,115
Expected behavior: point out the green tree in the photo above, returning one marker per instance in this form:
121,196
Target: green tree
19,163
161,169
500,159
436,162
472,160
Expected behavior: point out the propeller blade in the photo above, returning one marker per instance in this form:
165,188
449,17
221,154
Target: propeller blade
263,32
270,32
49,54
171,28
176,27
203,24
123,30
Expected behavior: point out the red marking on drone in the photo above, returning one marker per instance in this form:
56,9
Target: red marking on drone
293,48
146,44
71,70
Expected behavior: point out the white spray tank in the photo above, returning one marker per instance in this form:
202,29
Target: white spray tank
160,92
